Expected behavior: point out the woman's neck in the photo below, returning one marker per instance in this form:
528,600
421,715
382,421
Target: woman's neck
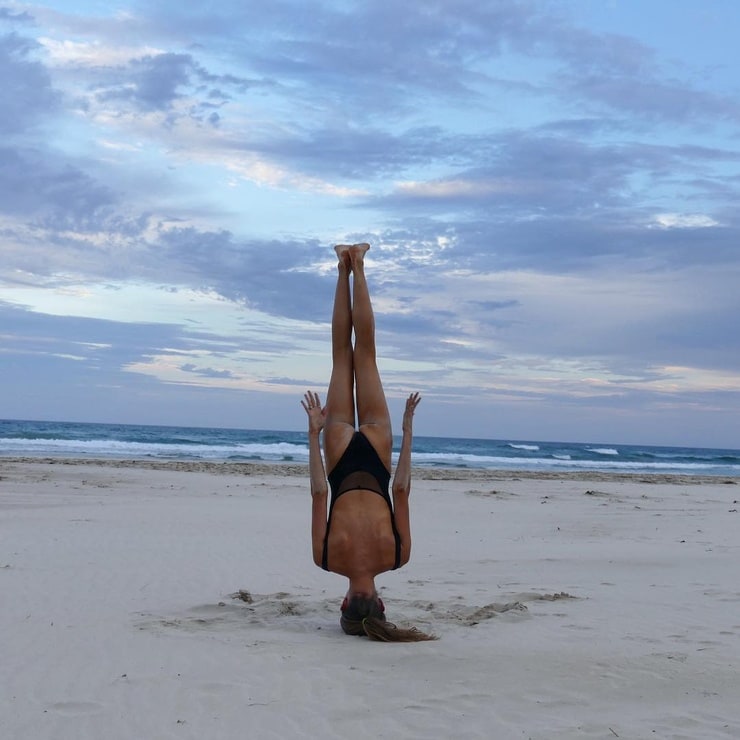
361,586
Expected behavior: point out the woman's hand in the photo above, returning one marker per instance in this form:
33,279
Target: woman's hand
408,415
316,415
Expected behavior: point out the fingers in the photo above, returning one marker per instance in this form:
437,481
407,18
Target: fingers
413,401
311,401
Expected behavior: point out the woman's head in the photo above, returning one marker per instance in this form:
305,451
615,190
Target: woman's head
365,615
357,609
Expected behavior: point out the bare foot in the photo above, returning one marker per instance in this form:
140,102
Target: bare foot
342,251
357,253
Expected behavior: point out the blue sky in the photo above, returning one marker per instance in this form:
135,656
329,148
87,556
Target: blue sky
550,190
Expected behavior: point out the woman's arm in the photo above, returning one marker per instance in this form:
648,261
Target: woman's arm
402,479
319,489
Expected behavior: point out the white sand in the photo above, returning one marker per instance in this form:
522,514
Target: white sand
116,616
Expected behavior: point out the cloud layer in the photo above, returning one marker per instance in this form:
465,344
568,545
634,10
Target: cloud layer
549,194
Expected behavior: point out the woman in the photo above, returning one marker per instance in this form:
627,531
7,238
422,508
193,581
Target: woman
366,533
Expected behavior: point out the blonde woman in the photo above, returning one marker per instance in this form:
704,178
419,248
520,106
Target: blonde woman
366,532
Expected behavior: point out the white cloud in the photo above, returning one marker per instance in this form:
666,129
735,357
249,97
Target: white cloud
262,172
92,53
683,221
460,188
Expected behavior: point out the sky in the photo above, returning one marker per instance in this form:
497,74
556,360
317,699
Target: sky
550,191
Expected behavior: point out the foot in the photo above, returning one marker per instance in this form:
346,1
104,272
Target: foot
342,251
357,254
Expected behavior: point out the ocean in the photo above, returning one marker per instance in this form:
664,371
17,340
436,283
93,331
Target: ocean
42,439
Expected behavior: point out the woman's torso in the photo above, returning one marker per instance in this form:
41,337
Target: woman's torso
361,537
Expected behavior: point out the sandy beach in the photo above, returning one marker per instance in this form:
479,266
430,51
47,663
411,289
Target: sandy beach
148,601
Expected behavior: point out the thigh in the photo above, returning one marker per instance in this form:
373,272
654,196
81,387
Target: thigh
337,436
340,401
340,409
372,409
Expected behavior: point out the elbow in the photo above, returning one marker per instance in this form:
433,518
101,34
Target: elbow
401,489
318,555
405,554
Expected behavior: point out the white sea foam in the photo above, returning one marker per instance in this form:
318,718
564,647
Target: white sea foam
556,461
118,448
603,450
529,448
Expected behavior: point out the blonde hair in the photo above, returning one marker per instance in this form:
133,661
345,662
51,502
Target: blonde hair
364,616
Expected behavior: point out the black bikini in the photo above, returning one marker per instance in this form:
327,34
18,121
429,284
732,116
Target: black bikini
360,467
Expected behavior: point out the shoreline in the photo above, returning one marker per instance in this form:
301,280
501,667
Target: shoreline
300,470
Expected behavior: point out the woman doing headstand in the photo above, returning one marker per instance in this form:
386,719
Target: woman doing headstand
366,532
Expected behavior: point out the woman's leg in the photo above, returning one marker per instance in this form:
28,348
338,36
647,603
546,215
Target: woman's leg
340,405
372,409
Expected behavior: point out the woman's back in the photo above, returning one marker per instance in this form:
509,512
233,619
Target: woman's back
361,538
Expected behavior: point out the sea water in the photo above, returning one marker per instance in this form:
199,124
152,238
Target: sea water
37,439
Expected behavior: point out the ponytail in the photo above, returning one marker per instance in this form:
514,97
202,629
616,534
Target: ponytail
364,616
